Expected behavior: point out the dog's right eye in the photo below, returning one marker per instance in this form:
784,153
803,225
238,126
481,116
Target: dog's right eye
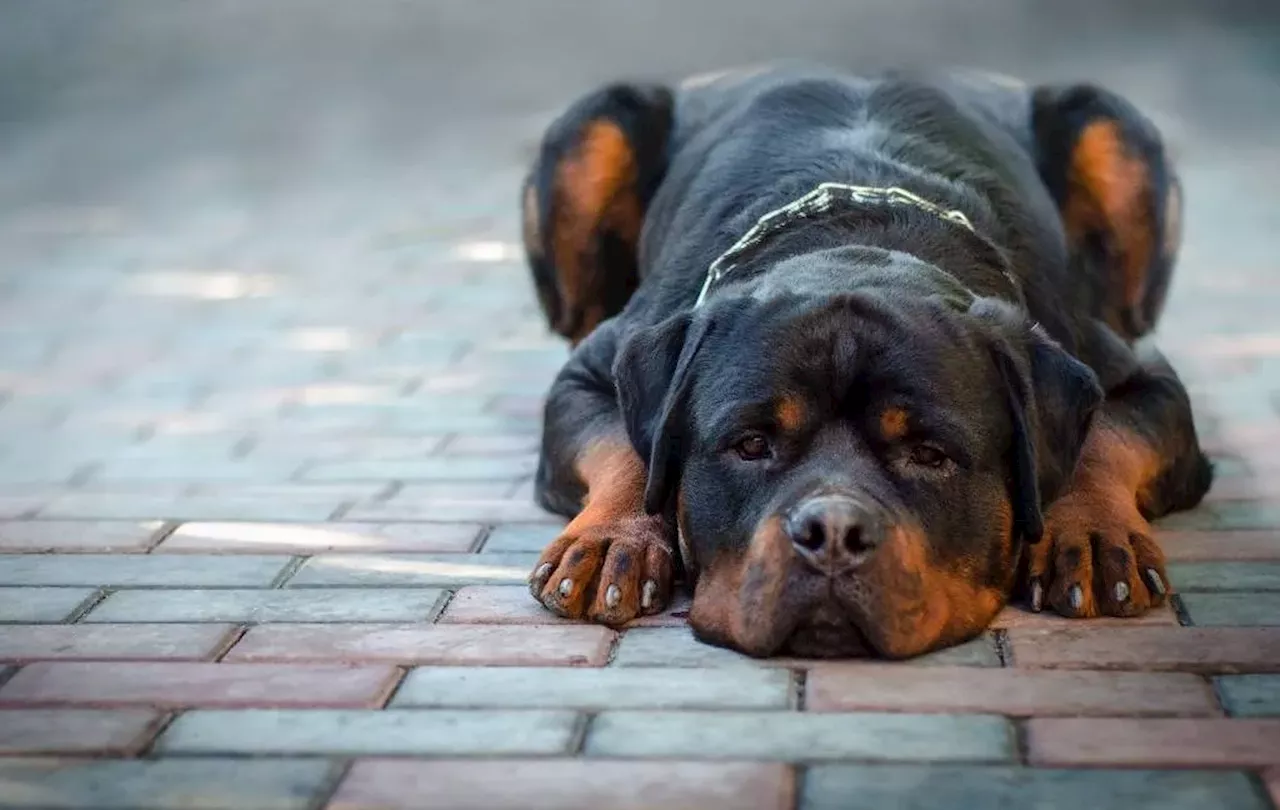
753,447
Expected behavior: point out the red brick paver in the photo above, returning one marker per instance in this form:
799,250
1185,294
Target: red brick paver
76,731
1160,743
175,685
565,785
1018,693
572,645
1211,650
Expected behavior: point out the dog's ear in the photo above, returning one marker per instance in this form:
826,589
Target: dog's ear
1051,397
652,373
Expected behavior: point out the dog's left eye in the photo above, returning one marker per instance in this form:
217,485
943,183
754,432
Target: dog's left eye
926,455
753,447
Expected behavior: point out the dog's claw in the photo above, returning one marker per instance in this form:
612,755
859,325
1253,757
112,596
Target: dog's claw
612,596
1121,591
1155,582
566,586
1076,596
647,594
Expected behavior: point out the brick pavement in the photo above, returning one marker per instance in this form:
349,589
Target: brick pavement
265,507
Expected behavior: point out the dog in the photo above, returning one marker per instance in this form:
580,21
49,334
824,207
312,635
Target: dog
858,358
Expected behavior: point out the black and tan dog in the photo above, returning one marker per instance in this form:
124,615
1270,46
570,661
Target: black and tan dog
857,355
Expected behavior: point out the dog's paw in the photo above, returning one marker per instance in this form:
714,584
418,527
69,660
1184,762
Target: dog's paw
1097,558
609,573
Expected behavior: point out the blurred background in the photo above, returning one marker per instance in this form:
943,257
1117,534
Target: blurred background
234,234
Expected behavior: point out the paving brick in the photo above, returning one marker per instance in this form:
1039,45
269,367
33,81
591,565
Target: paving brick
1018,693
371,733
68,536
175,784
457,468
333,448
294,538
136,570
1153,742
1016,616
177,685
443,570
564,785
924,787
1227,516
1193,546
570,645
300,505
598,689
196,470
41,604
1189,649
76,731
531,538
495,444
17,506
794,737
1250,695
1226,576
410,505
1233,609
512,604
184,642
251,606
677,647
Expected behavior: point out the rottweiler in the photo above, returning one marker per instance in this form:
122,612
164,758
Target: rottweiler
858,358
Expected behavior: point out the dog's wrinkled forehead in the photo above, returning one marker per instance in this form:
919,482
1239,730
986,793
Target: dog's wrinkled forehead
860,341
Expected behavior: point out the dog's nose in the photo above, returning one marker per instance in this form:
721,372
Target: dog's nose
833,528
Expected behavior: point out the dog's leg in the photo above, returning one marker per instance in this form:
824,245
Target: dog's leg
613,562
1141,460
1106,167
585,199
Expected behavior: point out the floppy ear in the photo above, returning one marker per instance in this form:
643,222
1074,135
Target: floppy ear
652,376
1052,397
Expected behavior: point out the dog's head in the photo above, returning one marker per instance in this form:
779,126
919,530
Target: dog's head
851,472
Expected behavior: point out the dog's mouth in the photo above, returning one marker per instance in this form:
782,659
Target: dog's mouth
829,633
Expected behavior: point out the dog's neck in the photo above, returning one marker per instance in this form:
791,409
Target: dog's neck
861,225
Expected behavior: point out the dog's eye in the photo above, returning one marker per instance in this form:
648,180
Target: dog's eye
926,455
753,447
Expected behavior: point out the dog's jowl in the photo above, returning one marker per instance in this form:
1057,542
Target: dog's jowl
855,357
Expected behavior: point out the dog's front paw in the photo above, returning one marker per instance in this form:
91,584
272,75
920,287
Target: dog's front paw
1097,558
609,573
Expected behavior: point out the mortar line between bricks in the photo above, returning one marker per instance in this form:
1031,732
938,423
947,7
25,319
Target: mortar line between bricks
482,537
342,509
86,607
287,572
800,688
329,787
402,675
167,719
1215,688
230,640
167,528
581,727
1180,610
1021,743
798,773
1003,651
441,604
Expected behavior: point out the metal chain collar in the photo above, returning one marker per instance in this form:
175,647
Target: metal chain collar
818,201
